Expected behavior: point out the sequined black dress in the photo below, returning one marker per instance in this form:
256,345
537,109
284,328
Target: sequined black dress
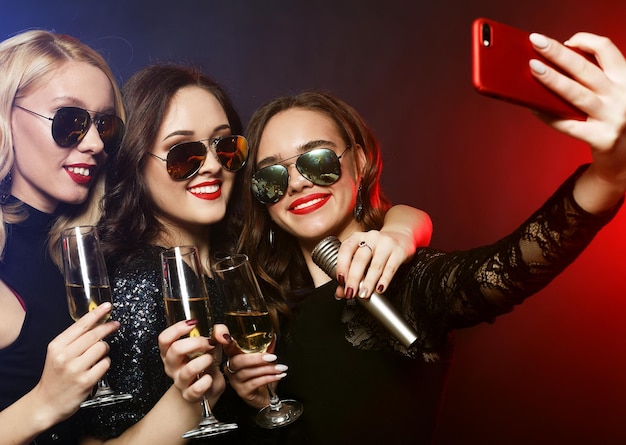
136,365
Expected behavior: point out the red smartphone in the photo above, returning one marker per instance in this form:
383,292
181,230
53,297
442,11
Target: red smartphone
500,55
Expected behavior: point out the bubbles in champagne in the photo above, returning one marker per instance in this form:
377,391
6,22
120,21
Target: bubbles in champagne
252,330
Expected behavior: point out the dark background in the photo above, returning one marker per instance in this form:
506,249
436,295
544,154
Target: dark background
553,370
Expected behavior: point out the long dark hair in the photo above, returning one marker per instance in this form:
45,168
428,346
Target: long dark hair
281,268
129,213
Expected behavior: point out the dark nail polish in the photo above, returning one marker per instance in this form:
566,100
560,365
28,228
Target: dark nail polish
341,280
228,338
191,322
213,342
380,288
349,292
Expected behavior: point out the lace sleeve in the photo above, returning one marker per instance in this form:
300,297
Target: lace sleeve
439,292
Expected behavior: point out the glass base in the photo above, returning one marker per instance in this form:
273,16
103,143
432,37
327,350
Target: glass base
105,400
287,412
211,428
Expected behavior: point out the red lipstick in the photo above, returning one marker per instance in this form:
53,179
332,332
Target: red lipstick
309,203
80,173
208,190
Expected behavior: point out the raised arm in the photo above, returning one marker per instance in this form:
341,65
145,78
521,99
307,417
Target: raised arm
600,91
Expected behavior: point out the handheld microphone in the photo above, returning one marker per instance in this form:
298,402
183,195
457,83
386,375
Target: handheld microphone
325,256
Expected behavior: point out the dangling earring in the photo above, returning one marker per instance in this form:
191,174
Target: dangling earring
271,237
5,188
358,208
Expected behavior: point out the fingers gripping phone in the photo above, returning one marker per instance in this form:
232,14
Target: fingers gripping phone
500,56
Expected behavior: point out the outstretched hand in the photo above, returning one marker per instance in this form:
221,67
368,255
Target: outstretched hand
600,91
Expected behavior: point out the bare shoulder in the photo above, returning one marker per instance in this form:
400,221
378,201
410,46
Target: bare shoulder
11,316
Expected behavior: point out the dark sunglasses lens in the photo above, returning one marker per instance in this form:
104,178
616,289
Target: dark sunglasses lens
111,131
184,160
70,125
232,152
270,183
320,166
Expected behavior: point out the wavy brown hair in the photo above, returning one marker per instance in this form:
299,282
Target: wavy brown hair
281,268
129,212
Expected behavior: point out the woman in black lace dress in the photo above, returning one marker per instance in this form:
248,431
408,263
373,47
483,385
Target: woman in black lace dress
358,384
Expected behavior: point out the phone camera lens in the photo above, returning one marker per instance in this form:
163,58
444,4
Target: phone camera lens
486,34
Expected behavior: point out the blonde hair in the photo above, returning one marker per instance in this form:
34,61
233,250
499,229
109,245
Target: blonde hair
25,61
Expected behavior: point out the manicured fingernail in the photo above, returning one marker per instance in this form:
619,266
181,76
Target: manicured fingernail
281,376
281,368
349,292
107,305
380,289
537,66
191,322
269,357
538,40
364,292
213,342
341,280
228,338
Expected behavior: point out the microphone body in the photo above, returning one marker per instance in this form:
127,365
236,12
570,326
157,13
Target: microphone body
325,256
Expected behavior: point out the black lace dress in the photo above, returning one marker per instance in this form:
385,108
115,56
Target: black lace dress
359,385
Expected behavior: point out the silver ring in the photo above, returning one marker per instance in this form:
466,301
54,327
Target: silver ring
228,367
364,244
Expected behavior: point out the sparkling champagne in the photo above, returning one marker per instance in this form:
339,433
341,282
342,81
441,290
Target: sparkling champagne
252,330
83,299
199,309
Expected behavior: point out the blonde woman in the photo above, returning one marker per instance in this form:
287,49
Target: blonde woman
61,115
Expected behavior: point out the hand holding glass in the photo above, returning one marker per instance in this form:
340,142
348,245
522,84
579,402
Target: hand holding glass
250,326
186,298
87,286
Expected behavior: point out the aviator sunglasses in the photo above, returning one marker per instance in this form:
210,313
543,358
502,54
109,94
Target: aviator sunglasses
320,166
184,160
71,124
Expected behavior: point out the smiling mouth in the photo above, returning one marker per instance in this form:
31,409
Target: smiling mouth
79,171
310,203
205,189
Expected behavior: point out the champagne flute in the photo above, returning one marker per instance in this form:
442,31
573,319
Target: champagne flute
87,286
186,298
250,326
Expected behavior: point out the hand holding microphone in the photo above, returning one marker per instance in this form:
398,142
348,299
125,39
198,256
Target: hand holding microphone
325,256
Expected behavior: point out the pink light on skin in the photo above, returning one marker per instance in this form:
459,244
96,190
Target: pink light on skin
80,173
309,203
208,190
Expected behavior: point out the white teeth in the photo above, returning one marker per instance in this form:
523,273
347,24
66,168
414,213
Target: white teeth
205,189
307,204
79,171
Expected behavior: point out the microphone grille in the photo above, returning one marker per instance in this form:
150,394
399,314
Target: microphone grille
325,255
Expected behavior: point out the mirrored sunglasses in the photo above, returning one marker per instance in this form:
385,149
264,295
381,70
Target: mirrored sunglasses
71,124
321,166
184,160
